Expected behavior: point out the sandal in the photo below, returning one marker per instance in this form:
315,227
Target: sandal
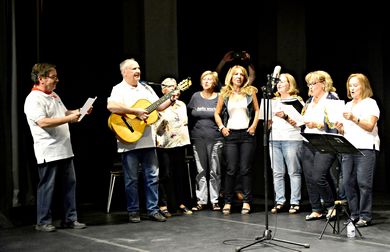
216,207
165,212
294,209
277,208
185,210
198,207
246,208
314,216
226,209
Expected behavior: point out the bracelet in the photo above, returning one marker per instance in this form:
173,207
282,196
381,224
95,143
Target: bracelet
285,117
221,127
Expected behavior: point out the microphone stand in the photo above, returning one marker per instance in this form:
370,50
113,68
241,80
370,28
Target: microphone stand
267,236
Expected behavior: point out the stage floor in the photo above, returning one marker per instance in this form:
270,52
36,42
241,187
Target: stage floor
203,231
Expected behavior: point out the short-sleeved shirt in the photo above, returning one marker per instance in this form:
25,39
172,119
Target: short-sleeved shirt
281,129
50,144
202,118
128,95
359,137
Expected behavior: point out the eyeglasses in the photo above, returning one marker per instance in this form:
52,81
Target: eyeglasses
167,86
53,77
313,84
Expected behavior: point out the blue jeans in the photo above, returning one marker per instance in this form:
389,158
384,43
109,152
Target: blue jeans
63,172
146,160
286,154
358,177
239,149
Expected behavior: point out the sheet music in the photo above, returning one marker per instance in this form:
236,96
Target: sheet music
87,105
335,110
276,106
293,114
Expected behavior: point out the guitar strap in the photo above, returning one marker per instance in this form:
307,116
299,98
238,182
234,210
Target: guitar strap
149,88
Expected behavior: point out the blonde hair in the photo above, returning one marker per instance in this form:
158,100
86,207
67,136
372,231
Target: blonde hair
213,74
366,90
246,88
323,77
293,90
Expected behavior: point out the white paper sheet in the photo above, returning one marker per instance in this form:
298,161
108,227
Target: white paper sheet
87,105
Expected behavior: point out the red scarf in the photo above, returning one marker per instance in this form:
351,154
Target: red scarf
35,87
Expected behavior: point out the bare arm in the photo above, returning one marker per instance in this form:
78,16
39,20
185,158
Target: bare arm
226,58
252,128
119,108
366,124
218,111
252,73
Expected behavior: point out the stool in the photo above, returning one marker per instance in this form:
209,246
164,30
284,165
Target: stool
113,175
339,205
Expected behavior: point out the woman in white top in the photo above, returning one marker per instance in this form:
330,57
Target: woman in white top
285,145
172,140
316,165
360,128
236,115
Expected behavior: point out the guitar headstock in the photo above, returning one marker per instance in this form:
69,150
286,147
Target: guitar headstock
184,84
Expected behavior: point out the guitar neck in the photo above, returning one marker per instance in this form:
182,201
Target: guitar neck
152,107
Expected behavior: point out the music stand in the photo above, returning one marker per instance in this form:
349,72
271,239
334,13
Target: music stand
336,144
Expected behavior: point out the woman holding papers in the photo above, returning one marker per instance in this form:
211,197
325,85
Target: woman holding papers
286,143
316,165
360,128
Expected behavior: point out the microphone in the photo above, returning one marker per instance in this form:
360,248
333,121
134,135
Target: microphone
275,76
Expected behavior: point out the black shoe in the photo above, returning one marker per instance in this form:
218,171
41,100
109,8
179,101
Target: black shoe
74,225
363,223
45,227
157,217
134,217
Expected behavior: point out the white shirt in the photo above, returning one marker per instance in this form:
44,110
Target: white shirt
129,95
50,144
238,115
175,133
359,137
282,130
315,112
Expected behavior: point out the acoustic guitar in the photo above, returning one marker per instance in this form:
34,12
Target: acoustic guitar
129,128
